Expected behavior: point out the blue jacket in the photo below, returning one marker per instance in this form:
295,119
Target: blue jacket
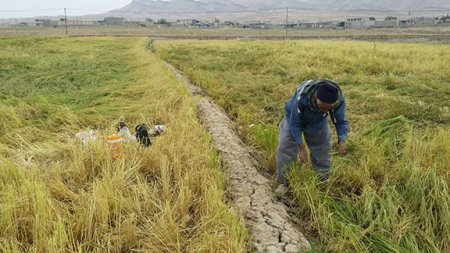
303,117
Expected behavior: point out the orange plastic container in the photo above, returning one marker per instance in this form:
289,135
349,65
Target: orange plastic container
115,143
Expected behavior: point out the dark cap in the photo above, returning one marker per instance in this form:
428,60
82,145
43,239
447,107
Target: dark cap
327,92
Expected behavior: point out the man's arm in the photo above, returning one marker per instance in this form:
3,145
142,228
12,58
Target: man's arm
295,122
341,126
296,129
341,121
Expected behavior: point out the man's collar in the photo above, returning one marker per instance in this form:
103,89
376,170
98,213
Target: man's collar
312,103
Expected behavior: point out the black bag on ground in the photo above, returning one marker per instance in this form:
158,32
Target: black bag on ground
142,135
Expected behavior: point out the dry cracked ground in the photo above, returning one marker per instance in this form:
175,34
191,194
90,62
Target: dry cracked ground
265,216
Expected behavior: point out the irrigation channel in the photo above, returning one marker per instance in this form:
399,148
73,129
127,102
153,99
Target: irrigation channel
267,218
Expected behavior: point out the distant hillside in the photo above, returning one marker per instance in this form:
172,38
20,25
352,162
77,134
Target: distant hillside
191,8
240,5
381,4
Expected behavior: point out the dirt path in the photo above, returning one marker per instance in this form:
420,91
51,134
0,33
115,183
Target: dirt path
266,218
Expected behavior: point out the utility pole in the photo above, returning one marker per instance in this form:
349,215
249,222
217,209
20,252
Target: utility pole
65,20
287,13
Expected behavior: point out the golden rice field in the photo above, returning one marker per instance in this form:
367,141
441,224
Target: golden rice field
58,195
391,192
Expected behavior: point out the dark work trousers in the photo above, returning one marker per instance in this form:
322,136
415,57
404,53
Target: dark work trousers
319,144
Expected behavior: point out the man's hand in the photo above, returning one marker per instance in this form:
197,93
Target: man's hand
342,148
302,154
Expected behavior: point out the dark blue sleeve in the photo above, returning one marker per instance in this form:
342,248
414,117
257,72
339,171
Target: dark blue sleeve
295,121
341,121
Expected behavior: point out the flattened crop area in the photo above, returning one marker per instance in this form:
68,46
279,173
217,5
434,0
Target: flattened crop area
57,194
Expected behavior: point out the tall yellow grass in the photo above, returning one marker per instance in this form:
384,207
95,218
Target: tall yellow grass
57,195
391,192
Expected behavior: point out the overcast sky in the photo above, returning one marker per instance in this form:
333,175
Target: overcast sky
32,8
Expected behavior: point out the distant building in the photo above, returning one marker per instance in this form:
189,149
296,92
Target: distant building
359,23
45,22
420,21
257,25
406,23
386,24
327,24
114,20
316,25
424,20
39,22
75,22
194,23
188,23
354,19
306,25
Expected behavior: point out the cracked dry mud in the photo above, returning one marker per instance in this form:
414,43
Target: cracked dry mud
267,219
